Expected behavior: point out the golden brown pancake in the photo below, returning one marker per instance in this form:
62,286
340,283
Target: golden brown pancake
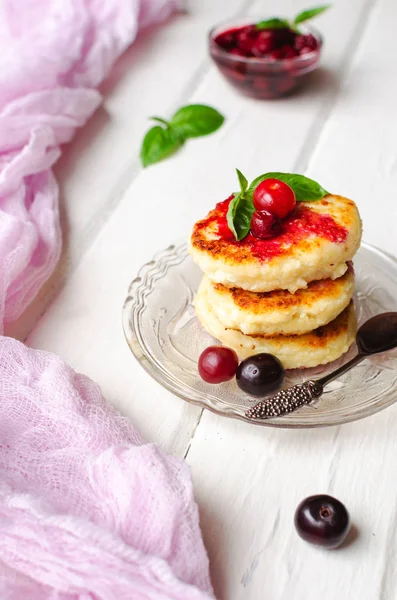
279,312
318,239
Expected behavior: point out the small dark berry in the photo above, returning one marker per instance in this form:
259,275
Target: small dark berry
260,374
265,225
322,520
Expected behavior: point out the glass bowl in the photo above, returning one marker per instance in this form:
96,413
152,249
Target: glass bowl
264,77
165,336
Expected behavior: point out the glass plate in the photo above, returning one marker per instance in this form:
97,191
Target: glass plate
164,335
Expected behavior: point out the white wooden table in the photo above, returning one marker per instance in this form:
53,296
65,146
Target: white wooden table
343,132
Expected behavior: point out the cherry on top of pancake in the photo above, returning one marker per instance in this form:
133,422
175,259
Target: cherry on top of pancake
305,227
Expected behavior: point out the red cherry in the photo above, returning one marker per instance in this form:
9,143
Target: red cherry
311,41
300,42
227,39
237,52
285,51
246,38
265,42
274,196
288,52
305,43
265,225
217,364
276,54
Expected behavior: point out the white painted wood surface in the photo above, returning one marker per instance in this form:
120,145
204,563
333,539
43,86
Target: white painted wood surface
342,130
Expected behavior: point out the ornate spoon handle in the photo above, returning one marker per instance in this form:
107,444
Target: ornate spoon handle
286,401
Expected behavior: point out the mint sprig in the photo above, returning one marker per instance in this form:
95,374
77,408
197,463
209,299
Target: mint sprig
241,207
310,13
273,23
193,120
305,15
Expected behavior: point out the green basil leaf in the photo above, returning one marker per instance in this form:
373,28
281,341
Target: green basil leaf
196,120
159,143
242,181
239,216
306,190
305,15
273,23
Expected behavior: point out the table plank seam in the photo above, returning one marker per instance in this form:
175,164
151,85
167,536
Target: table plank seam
194,429
317,128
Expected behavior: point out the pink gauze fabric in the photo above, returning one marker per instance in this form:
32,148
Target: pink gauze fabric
87,510
53,55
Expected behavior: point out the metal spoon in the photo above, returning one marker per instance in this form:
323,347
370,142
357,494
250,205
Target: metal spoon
378,334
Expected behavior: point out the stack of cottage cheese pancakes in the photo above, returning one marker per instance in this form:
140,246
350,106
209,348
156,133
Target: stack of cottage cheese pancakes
290,296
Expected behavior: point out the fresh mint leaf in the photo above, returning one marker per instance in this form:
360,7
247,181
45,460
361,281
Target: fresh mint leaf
160,120
310,13
242,181
306,190
273,23
239,215
159,143
195,120
189,121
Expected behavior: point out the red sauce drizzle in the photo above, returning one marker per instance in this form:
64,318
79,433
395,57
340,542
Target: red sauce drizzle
301,224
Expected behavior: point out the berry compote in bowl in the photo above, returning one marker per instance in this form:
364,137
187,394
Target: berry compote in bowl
266,63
